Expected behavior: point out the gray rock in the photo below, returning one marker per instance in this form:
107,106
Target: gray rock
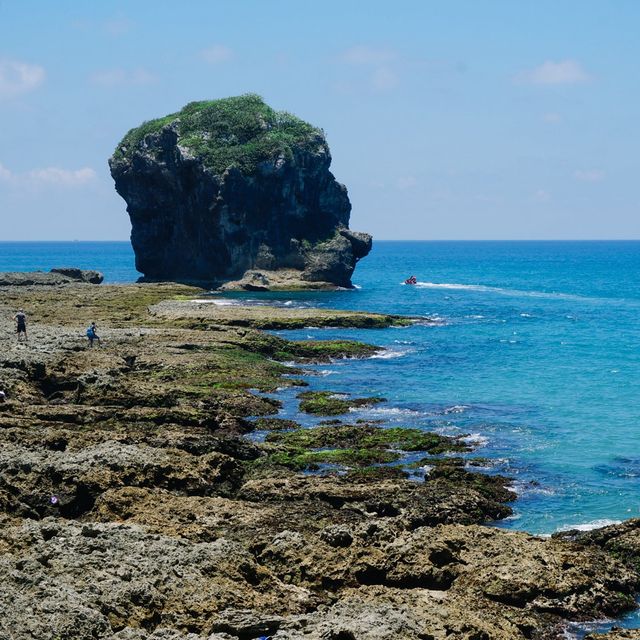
68,580
55,277
76,478
92,277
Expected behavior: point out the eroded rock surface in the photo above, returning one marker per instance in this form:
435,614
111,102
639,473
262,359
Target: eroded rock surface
134,507
58,276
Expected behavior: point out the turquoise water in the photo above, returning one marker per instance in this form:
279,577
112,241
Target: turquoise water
536,355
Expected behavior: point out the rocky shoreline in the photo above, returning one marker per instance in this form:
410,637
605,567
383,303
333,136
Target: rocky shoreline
134,507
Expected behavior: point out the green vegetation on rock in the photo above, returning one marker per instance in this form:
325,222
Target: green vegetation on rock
299,459
344,320
304,350
365,436
360,448
240,132
328,403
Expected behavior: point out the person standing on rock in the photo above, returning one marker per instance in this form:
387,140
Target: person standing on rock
21,324
92,334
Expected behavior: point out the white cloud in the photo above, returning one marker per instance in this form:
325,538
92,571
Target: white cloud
48,176
216,54
555,73
406,182
19,77
5,174
115,27
118,26
122,77
379,63
384,78
542,196
552,118
589,175
368,55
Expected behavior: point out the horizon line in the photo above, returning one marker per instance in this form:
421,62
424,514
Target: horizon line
376,240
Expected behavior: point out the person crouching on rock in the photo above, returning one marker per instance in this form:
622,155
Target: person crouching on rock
92,334
21,324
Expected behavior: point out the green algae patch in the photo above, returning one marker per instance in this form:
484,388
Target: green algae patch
328,403
334,321
309,351
299,459
227,367
369,437
361,448
326,350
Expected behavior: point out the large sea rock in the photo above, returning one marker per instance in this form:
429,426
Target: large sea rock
232,191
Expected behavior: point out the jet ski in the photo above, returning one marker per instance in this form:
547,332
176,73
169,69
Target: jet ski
411,280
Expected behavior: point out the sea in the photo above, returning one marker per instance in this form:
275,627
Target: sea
529,350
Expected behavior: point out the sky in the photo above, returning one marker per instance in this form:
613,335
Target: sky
448,119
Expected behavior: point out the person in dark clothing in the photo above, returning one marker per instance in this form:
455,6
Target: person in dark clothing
21,324
92,334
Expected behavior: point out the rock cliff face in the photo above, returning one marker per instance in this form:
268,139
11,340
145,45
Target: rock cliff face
231,186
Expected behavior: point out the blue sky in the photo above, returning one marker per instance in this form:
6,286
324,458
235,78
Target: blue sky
454,119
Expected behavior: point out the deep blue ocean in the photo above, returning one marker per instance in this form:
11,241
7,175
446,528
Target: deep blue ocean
535,355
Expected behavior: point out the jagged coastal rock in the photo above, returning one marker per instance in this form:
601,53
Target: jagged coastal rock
134,507
55,277
231,191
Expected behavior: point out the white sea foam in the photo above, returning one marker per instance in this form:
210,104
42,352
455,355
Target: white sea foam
520,488
481,288
475,438
589,526
456,408
326,372
456,286
389,354
394,411
513,516
218,303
